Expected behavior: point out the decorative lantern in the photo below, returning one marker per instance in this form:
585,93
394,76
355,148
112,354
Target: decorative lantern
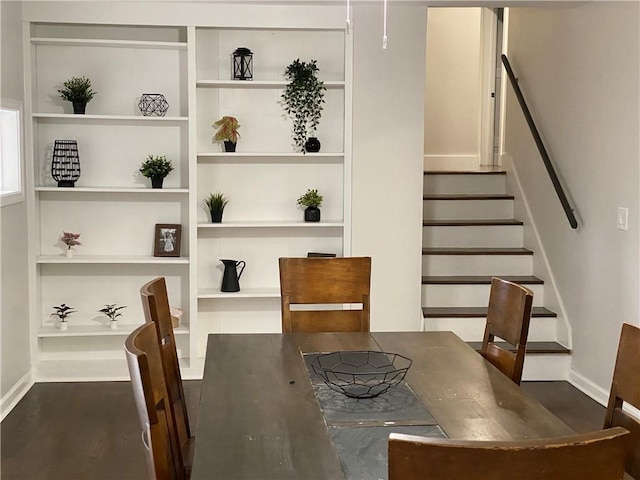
65,164
153,105
242,64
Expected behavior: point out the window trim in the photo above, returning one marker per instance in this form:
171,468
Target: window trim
15,196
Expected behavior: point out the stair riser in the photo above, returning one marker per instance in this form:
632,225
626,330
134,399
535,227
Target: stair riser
472,329
497,236
464,184
546,367
446,265
439,295
467,209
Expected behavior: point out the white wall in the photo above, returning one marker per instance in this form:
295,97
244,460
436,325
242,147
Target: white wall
388,126
14,321
579,70
452,98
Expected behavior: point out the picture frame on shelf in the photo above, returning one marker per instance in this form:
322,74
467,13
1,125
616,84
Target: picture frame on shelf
167,240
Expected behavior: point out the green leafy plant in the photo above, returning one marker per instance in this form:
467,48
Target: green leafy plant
227,130
62,311
310,199
156,166
77,90
111,311
216,202
303,98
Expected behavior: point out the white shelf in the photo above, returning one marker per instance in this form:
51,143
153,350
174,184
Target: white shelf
274,224
270,157
95,331
243,293
97,42
257,84
110,190
110,259
107,118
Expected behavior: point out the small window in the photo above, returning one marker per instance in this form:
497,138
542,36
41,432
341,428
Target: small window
11,190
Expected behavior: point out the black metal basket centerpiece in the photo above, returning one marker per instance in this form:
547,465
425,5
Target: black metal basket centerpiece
361,374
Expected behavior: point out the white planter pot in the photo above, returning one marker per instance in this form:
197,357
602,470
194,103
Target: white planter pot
63,325
113,324
69,253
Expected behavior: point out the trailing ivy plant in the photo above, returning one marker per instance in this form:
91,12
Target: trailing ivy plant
303,98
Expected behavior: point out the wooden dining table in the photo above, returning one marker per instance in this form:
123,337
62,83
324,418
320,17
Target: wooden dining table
259,417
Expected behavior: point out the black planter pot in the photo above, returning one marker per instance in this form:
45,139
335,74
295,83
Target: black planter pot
312,214
229,146
79,108
216,216
66,183
156,182
312,145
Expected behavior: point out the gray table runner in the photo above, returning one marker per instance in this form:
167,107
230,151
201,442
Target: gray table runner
359,428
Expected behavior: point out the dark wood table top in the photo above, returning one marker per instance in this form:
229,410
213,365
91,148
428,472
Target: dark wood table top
259,418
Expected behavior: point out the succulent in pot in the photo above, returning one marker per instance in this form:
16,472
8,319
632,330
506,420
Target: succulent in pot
111,311
62,311
227,132
156,167
70,240
216,202
311,200
78,91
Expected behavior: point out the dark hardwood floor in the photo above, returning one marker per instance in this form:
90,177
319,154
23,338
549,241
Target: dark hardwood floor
90,431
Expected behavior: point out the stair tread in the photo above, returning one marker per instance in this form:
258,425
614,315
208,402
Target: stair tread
478,279
476,251
480,171
467,196
532,347
471,223
473,312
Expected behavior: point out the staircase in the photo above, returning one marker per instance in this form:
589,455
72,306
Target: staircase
470,235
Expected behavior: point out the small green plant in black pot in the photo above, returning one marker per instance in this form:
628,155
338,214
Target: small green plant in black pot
156,167
78,91
311,201
216,202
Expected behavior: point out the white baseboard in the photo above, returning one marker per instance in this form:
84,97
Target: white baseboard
589,388
13,396
440,162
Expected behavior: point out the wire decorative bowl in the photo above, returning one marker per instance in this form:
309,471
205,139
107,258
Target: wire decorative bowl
361,374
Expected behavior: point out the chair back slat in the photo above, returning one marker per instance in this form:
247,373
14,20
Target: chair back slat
597,455
625,388
508,318
330,282
156,308
152,401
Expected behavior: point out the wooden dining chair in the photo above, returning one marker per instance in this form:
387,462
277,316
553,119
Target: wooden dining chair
508,318
594,455
625,388
155,304
327,284
152,401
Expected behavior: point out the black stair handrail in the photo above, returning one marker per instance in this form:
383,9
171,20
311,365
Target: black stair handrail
543,151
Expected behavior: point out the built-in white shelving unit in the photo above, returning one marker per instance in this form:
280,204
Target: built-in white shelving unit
114,209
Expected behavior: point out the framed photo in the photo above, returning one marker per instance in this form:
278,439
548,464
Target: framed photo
167,240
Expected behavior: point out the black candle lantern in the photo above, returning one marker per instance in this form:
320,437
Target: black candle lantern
65,164
242,64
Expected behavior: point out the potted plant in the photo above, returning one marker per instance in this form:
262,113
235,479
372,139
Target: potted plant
112,312
78,91
311,200
216,202
303,98
70,240
156,167
62,312
227,132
